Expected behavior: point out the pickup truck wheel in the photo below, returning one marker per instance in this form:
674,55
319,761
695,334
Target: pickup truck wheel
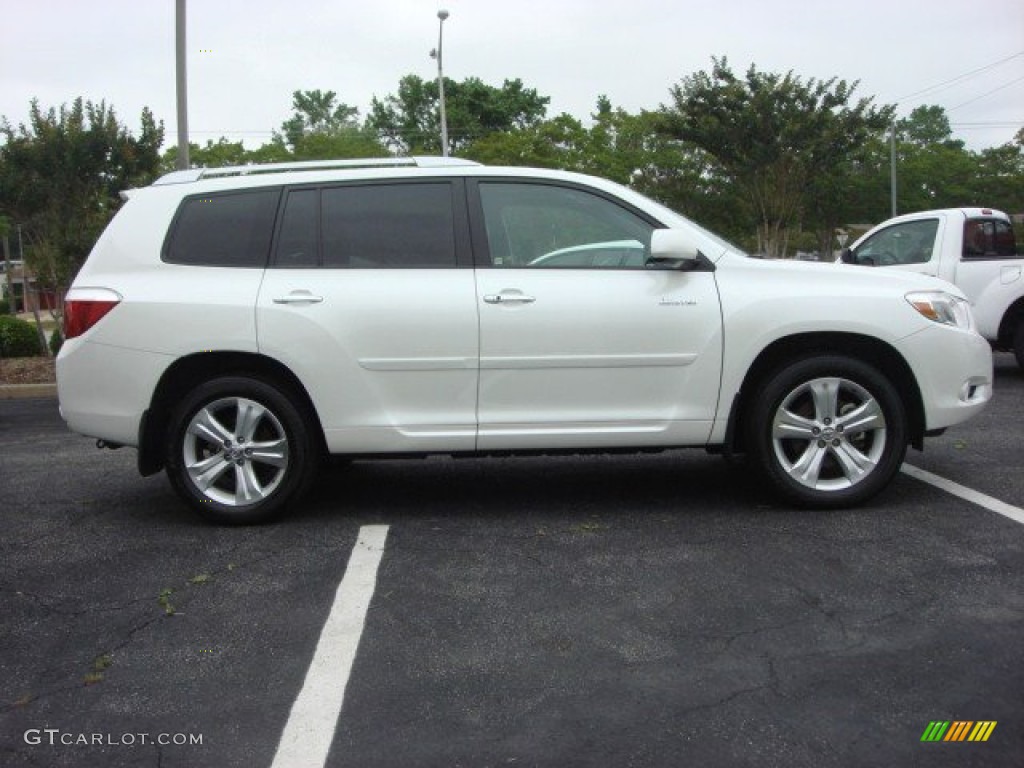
828,431
239,450
1018,343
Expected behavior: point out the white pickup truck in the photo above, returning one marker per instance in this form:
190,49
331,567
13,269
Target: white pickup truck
973,248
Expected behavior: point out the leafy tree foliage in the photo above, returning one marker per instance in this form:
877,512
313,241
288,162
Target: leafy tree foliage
408,122
213,155
771,135
999,177
61,175
322,128
933,170
318,112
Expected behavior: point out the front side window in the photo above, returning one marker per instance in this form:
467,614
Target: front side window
224,230
388,226
910,242
547,226
989,239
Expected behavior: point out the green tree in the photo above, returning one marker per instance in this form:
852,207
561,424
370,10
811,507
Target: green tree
855,191
999,177
933,170
555,143
771,135
61,175
322,128
408,122
215,154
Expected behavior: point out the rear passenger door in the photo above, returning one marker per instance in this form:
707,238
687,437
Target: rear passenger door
370,299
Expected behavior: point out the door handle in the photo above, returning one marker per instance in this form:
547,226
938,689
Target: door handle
299,297
504,298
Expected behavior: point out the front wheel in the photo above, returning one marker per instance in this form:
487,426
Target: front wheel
828,431
239,450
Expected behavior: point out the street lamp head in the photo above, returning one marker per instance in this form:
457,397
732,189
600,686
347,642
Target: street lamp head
442,14
433,53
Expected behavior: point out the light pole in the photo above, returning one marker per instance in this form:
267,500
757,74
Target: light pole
892,167
181,83
436,54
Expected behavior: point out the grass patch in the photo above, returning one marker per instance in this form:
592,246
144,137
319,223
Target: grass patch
100,665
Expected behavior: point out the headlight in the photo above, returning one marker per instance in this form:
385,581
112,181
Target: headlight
943,308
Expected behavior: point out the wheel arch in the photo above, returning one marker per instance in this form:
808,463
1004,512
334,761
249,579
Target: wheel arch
872,351
190,371
1013,315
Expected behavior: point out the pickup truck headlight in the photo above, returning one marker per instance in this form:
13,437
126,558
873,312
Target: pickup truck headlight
943,308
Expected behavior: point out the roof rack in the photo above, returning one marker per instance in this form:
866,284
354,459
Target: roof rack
195,174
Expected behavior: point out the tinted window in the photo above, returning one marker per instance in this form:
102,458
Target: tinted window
536,225
989,239
298,240
224,230
910,242
387,226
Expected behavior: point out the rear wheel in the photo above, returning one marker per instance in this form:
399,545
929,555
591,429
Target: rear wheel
828,431
239,450
1018,343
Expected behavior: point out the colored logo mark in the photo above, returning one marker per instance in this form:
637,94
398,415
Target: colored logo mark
958,730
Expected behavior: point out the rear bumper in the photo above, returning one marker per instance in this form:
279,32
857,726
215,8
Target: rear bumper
104,390
954,373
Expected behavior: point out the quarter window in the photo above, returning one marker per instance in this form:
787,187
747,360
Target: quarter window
547,226
910,242
224,230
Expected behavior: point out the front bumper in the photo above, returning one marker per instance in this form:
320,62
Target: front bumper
954,372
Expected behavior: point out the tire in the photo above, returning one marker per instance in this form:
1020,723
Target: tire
1018,343
828,431
210,457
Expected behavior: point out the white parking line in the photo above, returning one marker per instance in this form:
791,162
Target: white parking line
975,497
314,717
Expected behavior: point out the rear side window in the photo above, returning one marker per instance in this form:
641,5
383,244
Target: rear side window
298,241
989,239
224,230
387,226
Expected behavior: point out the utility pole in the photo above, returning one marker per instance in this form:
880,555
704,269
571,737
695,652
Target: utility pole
182,85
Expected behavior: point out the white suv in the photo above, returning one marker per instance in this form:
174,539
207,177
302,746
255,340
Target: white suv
237,324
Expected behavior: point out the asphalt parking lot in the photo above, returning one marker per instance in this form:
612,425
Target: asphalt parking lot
653,610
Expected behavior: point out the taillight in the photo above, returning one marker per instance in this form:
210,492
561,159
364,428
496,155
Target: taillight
82,314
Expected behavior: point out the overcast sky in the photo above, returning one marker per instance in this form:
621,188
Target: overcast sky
246,57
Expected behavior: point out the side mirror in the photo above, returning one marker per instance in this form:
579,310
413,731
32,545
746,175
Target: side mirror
846,256
672,249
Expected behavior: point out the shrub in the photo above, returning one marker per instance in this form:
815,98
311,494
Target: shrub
5,307
18,338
